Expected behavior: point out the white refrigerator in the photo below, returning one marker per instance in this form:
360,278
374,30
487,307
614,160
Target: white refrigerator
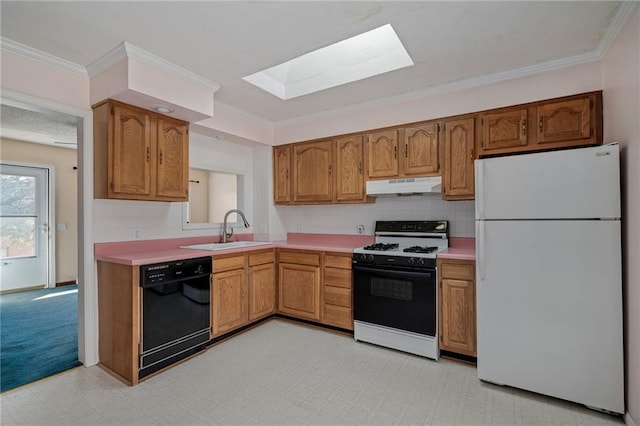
549,278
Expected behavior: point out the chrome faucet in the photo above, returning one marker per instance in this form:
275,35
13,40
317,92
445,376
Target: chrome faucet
225,234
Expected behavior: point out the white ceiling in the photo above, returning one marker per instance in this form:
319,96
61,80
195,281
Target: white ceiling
450,42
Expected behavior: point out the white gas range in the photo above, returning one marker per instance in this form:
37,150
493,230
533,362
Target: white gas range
395,286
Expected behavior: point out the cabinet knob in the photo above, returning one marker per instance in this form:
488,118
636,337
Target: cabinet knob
540,124
148,154
395,152
161,156
524,127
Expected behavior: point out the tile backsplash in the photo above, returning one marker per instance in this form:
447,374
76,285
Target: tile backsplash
344,218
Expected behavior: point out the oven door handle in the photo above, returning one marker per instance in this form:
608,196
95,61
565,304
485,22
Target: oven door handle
393,273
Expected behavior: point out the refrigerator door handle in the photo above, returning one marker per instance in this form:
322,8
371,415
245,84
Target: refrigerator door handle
479,167
481,252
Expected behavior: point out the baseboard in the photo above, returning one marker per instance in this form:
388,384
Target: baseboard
63,283
628,420
20,290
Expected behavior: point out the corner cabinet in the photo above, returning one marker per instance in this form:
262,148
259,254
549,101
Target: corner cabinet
299,284
457,306
459,141
242,289
329,171
281,172
139,155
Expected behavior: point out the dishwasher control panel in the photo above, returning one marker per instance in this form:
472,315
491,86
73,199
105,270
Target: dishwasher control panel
174,271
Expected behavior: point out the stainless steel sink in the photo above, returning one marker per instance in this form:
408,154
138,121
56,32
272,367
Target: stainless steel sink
224,246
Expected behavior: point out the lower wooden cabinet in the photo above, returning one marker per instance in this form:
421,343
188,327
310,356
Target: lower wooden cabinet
262,285
457,306
337,301
299,284
229,303
242,290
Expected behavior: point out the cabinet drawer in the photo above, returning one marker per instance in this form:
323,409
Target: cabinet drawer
337,277
335,261
228,263
261,258
300,258
338,316
337,296
461,271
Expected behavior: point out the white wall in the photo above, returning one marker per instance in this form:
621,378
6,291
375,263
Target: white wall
621,78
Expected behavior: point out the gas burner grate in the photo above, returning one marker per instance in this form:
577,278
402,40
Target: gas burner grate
420,249
381,247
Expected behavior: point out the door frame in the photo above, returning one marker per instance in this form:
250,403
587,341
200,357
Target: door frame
87,270
51,215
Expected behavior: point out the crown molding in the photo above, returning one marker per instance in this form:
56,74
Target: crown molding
447,87
128,50
42,57
616,24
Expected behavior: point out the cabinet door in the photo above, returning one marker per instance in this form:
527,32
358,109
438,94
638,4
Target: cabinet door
312,180
299,290
564,120
281,181
229,301
131,153
458,316
500,130
420,151
349,162
262,290
458,177
382,153
173,160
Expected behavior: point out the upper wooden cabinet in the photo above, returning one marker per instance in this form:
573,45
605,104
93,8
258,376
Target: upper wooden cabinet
566,121
406,151
349,164
139,155
504,129
382,153
312,179
320,172
556,123
421,150
458,179
281,172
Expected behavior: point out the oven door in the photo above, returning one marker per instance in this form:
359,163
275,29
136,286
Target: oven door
400,299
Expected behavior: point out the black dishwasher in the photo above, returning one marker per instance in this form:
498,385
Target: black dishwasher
175,311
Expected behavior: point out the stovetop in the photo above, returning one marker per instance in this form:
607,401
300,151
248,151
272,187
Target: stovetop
405,243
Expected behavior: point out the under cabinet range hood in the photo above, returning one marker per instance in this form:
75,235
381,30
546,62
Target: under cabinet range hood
405,186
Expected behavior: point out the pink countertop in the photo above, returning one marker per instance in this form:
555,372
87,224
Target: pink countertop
460,248
156,251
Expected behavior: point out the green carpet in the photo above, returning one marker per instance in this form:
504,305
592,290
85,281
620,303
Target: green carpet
38,334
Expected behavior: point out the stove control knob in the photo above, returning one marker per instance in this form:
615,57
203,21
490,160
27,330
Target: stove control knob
411,261
420,262
362,257
369,258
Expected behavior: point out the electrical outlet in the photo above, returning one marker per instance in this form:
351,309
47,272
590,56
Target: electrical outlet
360,229
299,228
136,233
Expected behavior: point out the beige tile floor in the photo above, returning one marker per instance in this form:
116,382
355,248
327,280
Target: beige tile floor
289,374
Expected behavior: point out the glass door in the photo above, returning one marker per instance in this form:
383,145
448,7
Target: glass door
24,227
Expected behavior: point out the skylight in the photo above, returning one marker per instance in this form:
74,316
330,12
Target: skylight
372,53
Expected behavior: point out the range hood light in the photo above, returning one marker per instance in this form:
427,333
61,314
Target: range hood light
404,187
